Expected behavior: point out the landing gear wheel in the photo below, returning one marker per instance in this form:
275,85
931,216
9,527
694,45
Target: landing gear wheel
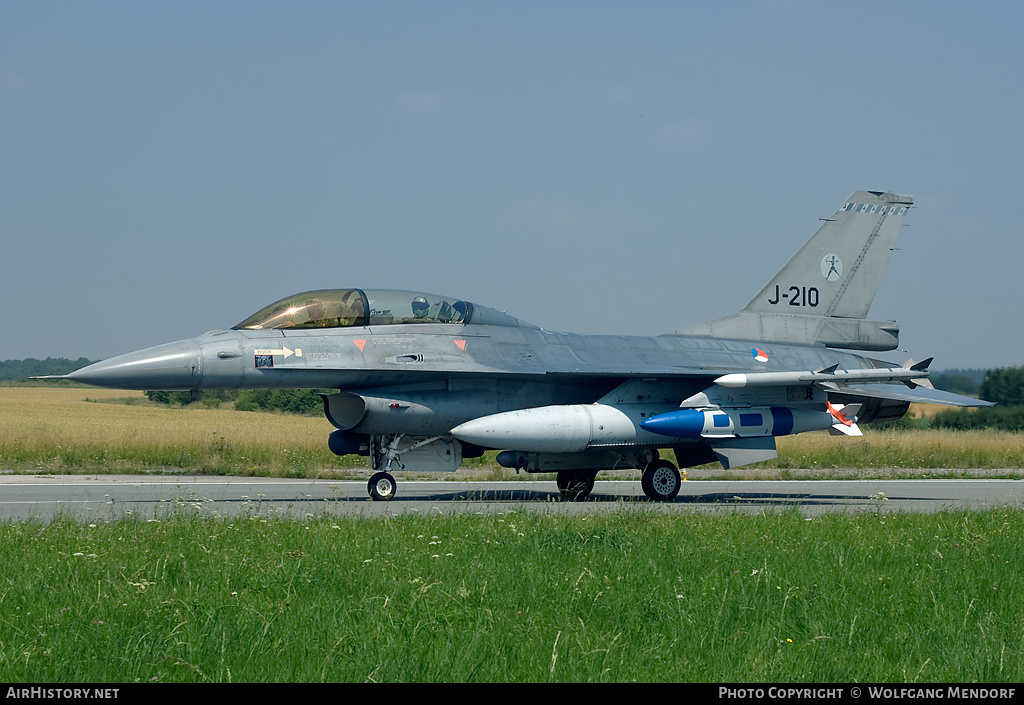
660,481
381,487
575,484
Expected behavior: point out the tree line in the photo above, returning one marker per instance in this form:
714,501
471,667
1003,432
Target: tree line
293,401
12,370
1005,387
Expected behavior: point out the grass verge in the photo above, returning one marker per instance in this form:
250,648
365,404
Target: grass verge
517,597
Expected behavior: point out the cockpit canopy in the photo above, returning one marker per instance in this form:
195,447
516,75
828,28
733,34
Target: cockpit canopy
343,308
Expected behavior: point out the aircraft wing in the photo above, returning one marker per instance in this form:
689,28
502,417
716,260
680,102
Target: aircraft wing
900,392
908,383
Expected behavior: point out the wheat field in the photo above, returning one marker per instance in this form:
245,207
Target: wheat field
77,428
84,416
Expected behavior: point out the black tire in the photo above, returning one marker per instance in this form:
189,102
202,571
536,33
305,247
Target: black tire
381,487
575,484
661,481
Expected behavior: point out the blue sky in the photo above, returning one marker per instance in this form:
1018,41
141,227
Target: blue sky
600,167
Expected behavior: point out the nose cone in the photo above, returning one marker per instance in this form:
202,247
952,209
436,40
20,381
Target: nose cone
686,423
174,366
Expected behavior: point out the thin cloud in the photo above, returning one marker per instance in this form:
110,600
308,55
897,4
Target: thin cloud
549,215
621,95
689,132
14,79
423,102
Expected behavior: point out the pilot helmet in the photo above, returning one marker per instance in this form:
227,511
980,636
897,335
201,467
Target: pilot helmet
420,307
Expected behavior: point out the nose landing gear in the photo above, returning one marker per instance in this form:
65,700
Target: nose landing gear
381,487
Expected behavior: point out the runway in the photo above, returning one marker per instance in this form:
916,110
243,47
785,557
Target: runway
44,497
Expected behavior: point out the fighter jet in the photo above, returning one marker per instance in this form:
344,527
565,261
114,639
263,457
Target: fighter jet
425,381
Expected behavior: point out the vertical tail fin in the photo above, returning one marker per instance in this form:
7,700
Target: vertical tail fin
823,293
843,262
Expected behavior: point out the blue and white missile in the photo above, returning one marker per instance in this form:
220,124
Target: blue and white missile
745,423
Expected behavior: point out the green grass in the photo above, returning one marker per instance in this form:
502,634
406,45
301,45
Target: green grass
626,596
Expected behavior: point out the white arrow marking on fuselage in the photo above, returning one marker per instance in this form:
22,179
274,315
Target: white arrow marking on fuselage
285,352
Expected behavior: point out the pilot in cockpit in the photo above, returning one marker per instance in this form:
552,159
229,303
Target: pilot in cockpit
420,309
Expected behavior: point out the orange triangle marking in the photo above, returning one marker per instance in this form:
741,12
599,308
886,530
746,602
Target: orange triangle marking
360,344
460,343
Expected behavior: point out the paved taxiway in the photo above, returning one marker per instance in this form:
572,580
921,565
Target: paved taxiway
92,497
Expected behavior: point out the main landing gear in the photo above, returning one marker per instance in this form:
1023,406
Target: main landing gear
660,481
575,484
